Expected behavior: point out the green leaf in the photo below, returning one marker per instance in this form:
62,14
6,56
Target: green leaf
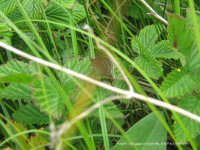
111,126
191,103
5,33
162,50
96,129
195,71
178,82
122,85
147,130
198,140
17,91
18,78
65,3
17,67
117,73
16,15
147,39
32,8
132,10
193,59
60,43
111,108
77,65
145,63
189,18
7,6
181,37
65,47
61,15
48,97
181,58
30,114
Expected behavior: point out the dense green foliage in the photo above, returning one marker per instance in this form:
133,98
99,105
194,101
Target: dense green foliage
160,61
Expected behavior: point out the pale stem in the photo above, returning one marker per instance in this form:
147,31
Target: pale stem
68,71
153,13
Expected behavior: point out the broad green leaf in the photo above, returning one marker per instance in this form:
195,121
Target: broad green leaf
147,39
7,6
198,140
191,103
33,66
118,75
60,43
181,58
81,66
180,33
189,18
77,65
132,10
16,15
193,59
104,92
111,108
111,127
17,91
17,78
178,82
181,37
66,55
65,3
17,67
31,114
1,87
32,8
48,97
148,130
5,33
65,48
122,85
162,50
59,14
145,63
195,71
96,129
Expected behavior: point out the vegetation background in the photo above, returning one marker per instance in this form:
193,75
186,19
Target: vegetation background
43,107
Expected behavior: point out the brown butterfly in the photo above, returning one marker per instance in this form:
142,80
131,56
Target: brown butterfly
103,65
